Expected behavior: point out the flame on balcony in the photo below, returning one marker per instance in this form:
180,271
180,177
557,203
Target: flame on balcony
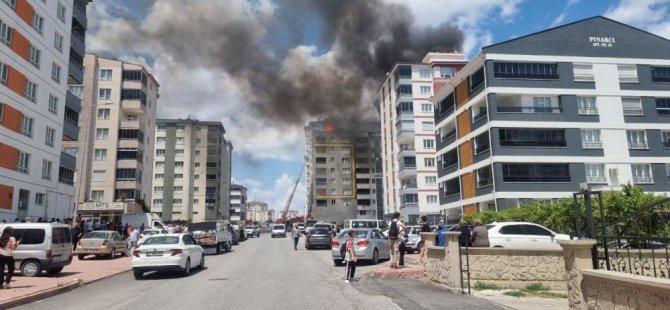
328,127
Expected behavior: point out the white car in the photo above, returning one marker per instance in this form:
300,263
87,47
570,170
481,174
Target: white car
150,232
278,230
523,236
168,252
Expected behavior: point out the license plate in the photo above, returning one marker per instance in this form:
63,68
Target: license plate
154,254
89,250
55,259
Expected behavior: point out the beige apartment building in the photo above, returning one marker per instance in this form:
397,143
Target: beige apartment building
257,211
192,171
116,146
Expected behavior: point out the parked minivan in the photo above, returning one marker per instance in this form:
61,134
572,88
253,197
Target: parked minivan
44,247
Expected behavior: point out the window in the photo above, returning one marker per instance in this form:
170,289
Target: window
449,159
160,164
525,70
126,174
60,12
632,106
30,91
34,56
177,201
587,105
424,73
642,174
179,164
160,140
532,137
425,90
667,171
178,176
181,128
105,74
583,72
180,140
99,175
58,41
74,151
101,133
100,154
591,139
46,169
103,114
133,94
476,79
51,134
484,176
105,94
53,104
178,188
426,107
198,140
39,199
196,165
98,196
663,106
431,181
429,126
196,189
158,202
159,176
4,73
160,152
482,143
428,144
637,139
452,187
402,90
444,72
38,22
429,162
540,173
627,73
23,164
595,173
665,139
431,199
77,90
179,152
160,128
27,126
5,34
658,74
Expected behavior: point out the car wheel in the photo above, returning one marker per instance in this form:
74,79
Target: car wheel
54,271
337,262
375,257
138,275
31,268
218,249
202,262
187,268
81,256
112,253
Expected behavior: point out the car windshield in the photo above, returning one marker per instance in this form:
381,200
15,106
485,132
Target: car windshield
96,235
279,227
359,234
319,231
162,240
150,232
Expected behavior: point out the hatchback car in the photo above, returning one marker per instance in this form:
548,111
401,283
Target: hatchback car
170,252
318,237
369,244
101,243
523,236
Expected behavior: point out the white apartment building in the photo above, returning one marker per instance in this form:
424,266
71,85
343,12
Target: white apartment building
115,149
257,211
408,133
191,179
37,61
238,202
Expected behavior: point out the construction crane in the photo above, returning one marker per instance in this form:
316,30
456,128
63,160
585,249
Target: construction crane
290,197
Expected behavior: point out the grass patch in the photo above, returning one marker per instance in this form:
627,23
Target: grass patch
536,287
515,293
545,294
480,286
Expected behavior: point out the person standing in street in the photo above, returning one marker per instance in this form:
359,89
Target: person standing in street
134,236
7,246
75,231
394,230
402,239
350,257
480,235
295,233
424,228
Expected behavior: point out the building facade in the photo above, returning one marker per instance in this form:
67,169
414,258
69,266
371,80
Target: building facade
191,180
271,215
238,202
408,133
342,178
257,211
536,116
40,44
115,149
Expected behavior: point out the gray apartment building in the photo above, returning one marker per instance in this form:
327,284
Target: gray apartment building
238,202
343,171
191,178
536,116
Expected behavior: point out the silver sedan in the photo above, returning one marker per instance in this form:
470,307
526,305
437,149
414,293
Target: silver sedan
369,244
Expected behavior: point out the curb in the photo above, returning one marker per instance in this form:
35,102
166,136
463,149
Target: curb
406,274
46,293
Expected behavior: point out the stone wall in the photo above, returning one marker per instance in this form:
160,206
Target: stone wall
516,268
652,263
616,290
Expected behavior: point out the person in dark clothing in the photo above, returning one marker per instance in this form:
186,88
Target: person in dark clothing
402,238
466,234
424,228
75,231
125,231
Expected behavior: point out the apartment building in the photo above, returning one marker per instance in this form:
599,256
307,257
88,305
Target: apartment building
38,59
191,179
257,211
238,202
408,133
271,215
115,148
536,116
342,165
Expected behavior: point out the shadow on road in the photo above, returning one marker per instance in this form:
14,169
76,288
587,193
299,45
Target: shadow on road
163,275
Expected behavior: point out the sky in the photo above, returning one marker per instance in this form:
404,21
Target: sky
266,67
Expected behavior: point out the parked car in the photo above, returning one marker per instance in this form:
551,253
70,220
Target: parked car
235,234
241,233
523,236
257,231
44,246
414,242
318,237
369,244
150,232
252,231
301,227
101,243
171,252
278,230
212,236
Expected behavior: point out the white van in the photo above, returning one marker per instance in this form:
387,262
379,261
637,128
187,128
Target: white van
44,246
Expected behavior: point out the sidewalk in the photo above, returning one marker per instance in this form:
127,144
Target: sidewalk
521,303
25,289
413,269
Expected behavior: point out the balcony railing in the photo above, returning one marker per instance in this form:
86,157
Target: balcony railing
536,179
532,143
529,109
596,179
587,111
592,145
638,145
642,180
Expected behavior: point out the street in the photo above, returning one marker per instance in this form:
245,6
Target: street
261,273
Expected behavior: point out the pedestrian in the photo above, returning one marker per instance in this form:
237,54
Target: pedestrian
295,233
402,239
466,234
142,227
480,235
75,231
394,230
424,228
7,246
125,231
134,235
350,256
88,226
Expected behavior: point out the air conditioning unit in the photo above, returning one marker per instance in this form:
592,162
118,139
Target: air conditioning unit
614,171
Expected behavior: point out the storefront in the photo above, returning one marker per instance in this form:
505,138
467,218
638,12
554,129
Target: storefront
108,212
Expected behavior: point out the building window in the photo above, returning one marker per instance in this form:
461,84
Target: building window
180,140
451,187
665,139
159,176
431,181
627,73
27,126
429,126
30,91
431,199
595,174
429,162
637,139
181,128
101,133
196,165
105,74
532,137
53,104
39,199
60,12
663,106
158,202
4,73
160,152
642,174
99,175
196,189
74,151
51,134
179,153
525,70
536,173
484,177
127,175
105,94
428,144
58,41
160,128
179,164
46,169
34,56
591,139
77,90
38,22
178,176
632,106
586,105
425,90
403,90
160,140
178,188
23,164
5,34
103,114
476,79
100,154
583,72
482,143
426,107
98,196
160,164
660,74
424,73
444,72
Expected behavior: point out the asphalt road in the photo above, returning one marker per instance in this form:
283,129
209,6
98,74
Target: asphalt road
260,273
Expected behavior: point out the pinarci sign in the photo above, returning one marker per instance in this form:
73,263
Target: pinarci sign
602,41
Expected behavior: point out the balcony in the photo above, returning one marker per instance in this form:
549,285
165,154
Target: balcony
642,180
507,103
79,13
77,42
131,144
72,101
128,184
638,145
409,205
406,170
133,106
130,124
128,164
75,69
68,161
407,152
70,129
409,188
405,132
529,109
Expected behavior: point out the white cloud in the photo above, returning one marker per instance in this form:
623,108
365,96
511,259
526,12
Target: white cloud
650,15
561,17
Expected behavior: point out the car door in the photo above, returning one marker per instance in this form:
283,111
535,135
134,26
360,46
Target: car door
195,250
119,243
539,237
382,244
188,247
512,237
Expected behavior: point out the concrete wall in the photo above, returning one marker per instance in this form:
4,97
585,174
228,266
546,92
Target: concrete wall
616,290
